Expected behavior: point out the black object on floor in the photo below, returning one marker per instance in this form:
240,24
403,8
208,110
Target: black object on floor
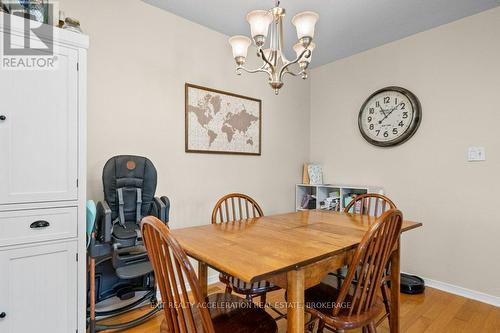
412,284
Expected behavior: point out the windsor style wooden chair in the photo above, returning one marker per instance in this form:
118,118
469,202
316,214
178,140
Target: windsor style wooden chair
237,207
357,302
218,313
375,205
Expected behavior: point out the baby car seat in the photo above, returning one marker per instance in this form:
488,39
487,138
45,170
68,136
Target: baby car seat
118,261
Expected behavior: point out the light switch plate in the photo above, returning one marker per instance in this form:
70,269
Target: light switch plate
475,154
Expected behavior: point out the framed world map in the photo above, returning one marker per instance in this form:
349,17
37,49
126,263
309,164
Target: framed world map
221,122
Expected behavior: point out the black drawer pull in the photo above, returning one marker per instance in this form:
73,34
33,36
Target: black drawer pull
39,224
2,117
3,315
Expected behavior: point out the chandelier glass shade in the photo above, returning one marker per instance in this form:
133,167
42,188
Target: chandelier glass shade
267,26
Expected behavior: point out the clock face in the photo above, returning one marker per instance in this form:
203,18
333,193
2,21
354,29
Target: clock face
389,116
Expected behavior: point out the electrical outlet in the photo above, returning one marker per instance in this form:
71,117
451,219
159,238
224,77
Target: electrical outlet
476,154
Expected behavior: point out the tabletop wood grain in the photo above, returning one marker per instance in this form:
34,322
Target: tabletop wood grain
257,248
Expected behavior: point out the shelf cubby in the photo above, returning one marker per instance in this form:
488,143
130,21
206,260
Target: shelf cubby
342,193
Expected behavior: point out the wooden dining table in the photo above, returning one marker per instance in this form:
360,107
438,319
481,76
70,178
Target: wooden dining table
294,251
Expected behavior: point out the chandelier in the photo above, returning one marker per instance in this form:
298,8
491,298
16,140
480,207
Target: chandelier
274,62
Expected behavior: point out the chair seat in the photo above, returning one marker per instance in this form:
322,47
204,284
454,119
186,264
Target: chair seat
233,314
132,271
242,287
129,232
320,301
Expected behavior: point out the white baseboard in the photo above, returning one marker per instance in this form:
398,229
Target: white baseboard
464,292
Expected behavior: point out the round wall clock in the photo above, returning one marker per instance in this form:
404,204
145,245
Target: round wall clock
390,116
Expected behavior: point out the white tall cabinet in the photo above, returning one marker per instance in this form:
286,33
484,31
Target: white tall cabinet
42,190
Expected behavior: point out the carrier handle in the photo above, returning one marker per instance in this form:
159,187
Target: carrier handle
39,224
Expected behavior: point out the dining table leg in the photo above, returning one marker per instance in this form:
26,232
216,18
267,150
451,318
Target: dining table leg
203,278
295,299
395,297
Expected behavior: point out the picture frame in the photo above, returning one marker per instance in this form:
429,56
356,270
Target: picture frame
221,122
315,172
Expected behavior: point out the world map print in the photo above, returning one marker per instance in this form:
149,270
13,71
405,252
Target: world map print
220,122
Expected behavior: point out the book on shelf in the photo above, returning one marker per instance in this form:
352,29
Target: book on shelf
330,203
308,202
347,200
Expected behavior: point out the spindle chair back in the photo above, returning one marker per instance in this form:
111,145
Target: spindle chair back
235,207
368,264
370,204
172,271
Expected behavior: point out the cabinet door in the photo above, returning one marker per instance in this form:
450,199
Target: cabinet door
38,289
39,131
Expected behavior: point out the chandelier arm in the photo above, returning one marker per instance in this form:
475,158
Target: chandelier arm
251,71
265,59
285,67
292,73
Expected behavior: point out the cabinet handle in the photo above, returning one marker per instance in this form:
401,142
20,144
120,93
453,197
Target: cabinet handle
2,117
3,315
39,224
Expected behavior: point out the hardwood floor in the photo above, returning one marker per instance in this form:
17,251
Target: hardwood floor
432,312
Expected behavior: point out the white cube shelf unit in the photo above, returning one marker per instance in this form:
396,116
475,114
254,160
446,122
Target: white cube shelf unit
344,193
